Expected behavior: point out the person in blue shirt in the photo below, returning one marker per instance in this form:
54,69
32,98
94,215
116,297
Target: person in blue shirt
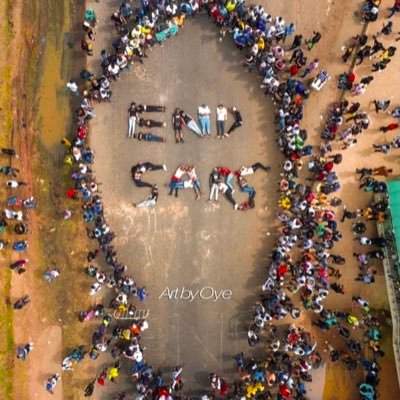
289,30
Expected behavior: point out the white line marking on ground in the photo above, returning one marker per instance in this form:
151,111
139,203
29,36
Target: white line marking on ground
221,335
177,339
202,344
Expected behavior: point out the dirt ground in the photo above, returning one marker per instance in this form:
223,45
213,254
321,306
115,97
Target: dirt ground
191,69
50,316
183,242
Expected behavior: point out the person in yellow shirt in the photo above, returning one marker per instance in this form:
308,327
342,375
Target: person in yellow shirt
178,19
146,30
261,43
113,372
231,5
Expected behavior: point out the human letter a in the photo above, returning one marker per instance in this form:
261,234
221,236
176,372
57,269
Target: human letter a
166,293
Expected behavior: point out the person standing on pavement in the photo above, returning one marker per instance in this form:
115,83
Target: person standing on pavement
89,389
390,127
22,352
73,87
204,119
289,30
382,148
314,40
381,105
382,171
296,42
52,382
367,80
21,303
132,118
221,118
395,9
313,65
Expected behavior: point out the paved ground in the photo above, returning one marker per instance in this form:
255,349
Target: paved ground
183,242
187,243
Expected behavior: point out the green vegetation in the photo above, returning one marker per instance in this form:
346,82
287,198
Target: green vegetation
6,126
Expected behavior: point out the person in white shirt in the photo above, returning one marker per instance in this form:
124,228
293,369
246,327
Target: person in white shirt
73,87
15,184
227,191
150,200
222,116
204,119
252,169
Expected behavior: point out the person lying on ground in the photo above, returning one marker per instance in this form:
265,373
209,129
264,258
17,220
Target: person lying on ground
150,200
252,169
191,124
7,170
149,108
9,152
149,137
14,184
150,123
227,191
140,169
238,120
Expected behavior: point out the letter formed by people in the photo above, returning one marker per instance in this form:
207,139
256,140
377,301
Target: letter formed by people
206,293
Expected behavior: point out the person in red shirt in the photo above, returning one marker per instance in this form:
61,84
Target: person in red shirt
394,9
227,174
294,70
328,166
285,391
389,127
101,378
281,271
81,132
71,193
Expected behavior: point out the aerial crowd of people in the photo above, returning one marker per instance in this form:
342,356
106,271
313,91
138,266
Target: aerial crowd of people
308,205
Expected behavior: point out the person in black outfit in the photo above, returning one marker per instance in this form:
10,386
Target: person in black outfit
150,123
296,42
138,170
132,118
177,122
9,152
238,120
149,108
